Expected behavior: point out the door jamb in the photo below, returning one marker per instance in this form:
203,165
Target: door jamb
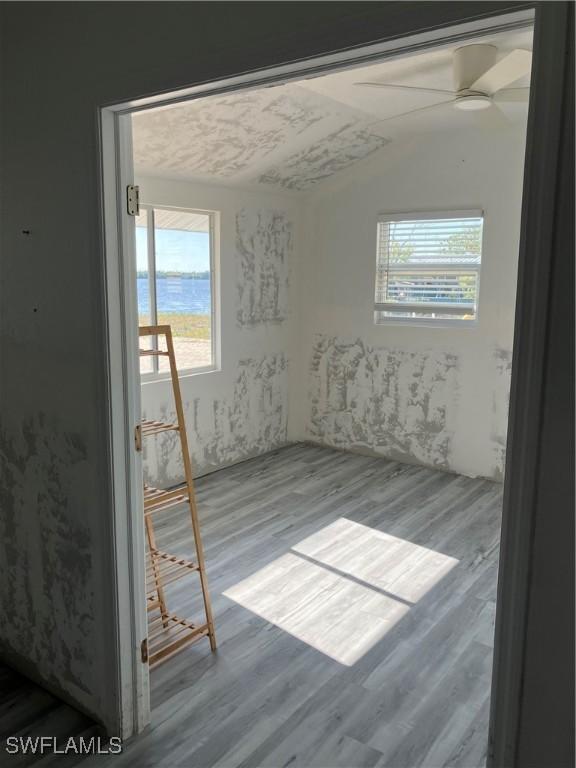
539,239
130,612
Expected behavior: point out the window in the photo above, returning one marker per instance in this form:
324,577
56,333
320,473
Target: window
428,267
175,284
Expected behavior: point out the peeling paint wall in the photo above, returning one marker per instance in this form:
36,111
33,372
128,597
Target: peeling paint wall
42,541
390,401
433,395
254,420
264,250
437,396
242,409
250,420
336,151
224,136
284,137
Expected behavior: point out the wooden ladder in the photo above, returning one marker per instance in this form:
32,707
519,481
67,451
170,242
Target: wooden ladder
167,632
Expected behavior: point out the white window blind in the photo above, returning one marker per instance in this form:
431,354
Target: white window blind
428,266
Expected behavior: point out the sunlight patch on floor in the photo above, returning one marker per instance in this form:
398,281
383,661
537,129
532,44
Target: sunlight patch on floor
395,565
343,588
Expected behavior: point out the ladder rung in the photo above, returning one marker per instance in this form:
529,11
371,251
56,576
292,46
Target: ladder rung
156,500
148,352
166,568
150,427
164,641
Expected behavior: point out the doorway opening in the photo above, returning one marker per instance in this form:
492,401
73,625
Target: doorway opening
336,253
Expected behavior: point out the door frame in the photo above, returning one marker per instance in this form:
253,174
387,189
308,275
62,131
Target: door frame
130,611
529,350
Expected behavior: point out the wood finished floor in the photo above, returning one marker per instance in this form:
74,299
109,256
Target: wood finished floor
354,603
26,710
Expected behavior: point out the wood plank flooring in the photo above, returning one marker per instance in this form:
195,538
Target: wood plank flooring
354,602
26,710
354,605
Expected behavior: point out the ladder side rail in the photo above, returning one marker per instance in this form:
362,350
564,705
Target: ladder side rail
190,482
156,571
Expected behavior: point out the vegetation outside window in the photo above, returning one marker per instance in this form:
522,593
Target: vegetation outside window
428,267
175,284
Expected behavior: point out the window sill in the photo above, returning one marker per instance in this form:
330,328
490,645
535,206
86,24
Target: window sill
155,378
422,323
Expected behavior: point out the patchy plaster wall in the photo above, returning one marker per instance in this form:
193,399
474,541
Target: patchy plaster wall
264,250
42,542
251,419
391,401
285,137
336,151
241,409
435,395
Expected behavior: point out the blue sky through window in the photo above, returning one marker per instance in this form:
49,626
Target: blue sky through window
176,250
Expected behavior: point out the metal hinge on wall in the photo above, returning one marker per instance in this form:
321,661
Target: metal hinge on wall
144,650
133,200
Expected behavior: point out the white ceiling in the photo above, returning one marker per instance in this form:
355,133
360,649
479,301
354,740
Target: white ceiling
291,137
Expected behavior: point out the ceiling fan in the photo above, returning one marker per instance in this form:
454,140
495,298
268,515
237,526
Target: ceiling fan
480,81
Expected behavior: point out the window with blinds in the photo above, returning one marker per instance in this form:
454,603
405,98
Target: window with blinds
428,266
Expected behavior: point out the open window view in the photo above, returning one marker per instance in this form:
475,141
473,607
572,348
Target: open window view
362,230
175,277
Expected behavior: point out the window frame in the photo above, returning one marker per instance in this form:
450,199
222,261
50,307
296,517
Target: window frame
379,307
156,374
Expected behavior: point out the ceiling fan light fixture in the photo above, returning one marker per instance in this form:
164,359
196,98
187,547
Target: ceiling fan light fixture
473,102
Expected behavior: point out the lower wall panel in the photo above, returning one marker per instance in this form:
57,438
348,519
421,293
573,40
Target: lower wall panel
405,405
251,419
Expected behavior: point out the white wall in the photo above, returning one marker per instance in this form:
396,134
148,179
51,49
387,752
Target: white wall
321,370
242,409
438,396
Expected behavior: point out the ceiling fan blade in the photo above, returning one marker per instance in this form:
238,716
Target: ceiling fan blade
405,87
513,66
412,111
513,94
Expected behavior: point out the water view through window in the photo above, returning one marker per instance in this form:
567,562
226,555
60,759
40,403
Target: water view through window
174,283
